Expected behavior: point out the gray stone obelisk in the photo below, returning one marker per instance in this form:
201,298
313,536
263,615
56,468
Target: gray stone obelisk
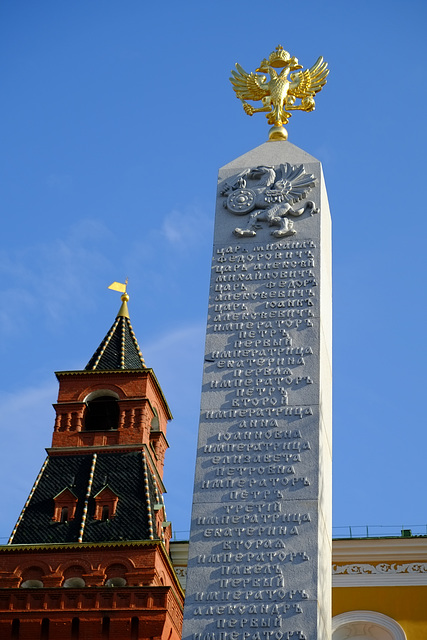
260,545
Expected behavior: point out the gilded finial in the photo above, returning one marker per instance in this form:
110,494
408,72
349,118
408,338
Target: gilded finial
279,94
119,286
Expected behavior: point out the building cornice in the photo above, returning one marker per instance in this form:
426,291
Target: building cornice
70,546
379,562
378,549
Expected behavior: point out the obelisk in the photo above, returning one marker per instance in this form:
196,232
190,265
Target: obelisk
260,546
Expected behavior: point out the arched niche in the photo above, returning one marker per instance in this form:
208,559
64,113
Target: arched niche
366,625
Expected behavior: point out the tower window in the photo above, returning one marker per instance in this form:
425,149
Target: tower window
134,629
105,627
15,629
75,625
44,632
65,506
116,576
32,578
102,414
105,504
73,577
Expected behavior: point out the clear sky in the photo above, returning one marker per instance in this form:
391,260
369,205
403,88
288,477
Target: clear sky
115,117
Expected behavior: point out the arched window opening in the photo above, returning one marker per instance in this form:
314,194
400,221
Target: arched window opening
15,629
366,625
116,576
44,631
102,414
75,627
134,628
105,512
32,578
64,514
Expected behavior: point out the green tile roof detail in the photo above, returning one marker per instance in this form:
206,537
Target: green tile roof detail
128,476
118,350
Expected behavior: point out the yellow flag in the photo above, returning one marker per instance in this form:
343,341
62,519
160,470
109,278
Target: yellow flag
118,286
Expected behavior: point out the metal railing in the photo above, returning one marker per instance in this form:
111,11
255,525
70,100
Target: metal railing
180,536
380,531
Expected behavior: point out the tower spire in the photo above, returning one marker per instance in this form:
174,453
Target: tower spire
119,286
120,348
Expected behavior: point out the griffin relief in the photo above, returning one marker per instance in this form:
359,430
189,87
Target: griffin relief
267,194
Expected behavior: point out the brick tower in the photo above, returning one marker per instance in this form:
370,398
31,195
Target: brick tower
89,555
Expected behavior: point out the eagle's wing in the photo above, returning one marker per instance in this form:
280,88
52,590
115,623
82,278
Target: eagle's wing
249,86
306,83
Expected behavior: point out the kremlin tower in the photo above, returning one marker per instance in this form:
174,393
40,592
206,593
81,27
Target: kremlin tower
89,556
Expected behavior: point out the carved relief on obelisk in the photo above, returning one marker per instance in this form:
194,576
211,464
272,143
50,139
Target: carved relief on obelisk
266,194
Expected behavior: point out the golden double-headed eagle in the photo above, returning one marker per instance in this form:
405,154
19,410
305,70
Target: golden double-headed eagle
279,94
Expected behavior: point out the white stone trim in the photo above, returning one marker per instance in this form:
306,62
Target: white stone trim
99,393
379,619
382,567
380,574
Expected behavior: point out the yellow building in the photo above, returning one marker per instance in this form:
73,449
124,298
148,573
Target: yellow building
379,587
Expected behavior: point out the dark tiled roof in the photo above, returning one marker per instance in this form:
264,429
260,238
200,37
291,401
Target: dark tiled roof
127,476
118,350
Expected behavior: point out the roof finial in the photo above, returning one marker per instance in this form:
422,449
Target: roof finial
118,286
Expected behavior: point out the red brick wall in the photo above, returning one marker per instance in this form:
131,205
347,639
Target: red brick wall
152,596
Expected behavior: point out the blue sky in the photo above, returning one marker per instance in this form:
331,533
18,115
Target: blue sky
115,117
